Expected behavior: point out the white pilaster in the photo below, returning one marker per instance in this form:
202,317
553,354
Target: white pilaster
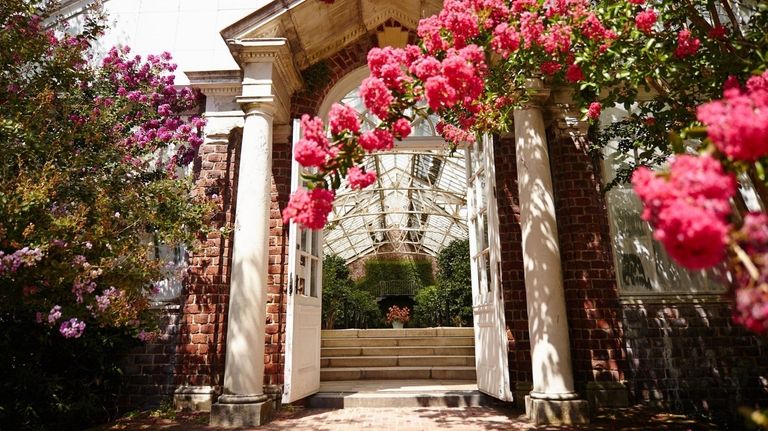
262,98
547,322
244,366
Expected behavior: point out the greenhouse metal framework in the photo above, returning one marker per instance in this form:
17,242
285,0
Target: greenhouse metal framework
417,205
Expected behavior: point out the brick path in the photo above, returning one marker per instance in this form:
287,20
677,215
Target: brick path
413,419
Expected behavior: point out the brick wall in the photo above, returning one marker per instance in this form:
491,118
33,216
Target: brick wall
205,297
339,64
274,349
344,61
594,315
594,312
512,276
685,354
149,368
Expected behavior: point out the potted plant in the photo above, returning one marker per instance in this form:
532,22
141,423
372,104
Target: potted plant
398,316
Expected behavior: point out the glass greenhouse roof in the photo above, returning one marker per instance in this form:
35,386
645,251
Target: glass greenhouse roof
417,205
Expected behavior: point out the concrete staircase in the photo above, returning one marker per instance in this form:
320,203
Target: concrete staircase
397,354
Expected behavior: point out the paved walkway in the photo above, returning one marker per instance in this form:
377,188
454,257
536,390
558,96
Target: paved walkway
413,419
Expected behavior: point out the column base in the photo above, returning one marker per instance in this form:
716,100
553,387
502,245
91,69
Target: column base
556,412
233,411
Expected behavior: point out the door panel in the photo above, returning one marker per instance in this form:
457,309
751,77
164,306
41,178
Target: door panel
303,314
487,304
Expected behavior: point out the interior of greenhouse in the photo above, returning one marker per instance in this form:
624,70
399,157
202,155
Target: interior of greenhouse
390,234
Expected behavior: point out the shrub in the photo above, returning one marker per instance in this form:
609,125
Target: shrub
406,271
430,308
89,179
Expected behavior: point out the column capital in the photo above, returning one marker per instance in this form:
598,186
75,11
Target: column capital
257,105
536,92
563,113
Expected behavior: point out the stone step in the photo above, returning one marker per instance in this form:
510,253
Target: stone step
397,361
399,342
398,373
328,352
341,400
397,333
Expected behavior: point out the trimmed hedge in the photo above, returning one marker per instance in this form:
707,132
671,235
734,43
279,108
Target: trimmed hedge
417,271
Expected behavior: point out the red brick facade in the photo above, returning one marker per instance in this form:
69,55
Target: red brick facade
594,314
274,349
202,332
512,276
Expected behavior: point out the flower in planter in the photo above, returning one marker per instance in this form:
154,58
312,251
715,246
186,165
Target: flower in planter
397,314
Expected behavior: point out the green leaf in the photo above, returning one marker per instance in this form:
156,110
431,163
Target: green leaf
678,146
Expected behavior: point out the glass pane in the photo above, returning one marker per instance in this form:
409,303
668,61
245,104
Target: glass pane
481,273
487,272
313,288
481,235
301,285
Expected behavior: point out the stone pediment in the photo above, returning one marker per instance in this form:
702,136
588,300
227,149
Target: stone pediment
315,30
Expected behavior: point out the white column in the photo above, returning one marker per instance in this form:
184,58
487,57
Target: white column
547,323
244,366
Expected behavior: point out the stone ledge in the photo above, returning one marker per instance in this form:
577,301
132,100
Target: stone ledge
556,412
195,398
241,415
607,394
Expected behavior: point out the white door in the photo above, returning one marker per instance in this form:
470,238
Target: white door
302,327
484,248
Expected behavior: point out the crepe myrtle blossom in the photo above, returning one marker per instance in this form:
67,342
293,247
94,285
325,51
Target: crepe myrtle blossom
687,44
689,208
343,118
54,314
738,123
645,20
593,112
72,328
358,178
309,208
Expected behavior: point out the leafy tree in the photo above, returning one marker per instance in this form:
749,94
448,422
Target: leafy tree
91,178
449,302
336,285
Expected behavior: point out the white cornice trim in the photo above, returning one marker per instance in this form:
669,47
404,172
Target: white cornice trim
261,17
217,82
271,50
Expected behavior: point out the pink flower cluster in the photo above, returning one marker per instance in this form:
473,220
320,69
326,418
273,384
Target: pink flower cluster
72,328
152,109
738,123
314,148
24,257
689,209
751,308
550,27
309,208
750,295
687,44
645,21
54,314
358,178
593,112
104,300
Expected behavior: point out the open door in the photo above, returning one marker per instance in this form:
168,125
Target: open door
303,315
487,304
